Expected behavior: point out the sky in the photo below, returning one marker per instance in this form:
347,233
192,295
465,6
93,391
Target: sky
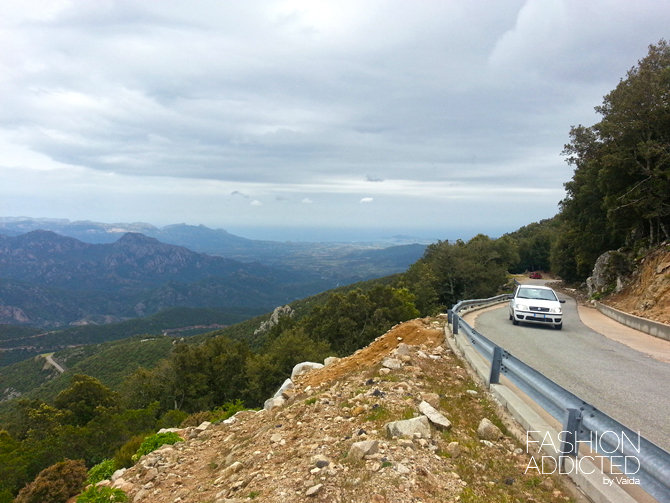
309,120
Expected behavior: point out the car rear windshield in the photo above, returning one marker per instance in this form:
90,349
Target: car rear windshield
536,293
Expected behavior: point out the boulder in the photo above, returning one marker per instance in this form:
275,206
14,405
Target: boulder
278,313
403,350
118,474
409,428
304,367
454,449
360,449
272,403
391,363
488,431
288,384
437,419
314,490
609,272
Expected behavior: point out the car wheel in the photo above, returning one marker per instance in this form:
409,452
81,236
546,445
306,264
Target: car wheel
515,321
559,326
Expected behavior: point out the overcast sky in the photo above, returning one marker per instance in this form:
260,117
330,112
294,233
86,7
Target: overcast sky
306,119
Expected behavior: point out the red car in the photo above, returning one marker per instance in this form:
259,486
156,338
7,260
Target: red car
535,275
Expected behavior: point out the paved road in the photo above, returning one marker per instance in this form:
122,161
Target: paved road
54,364
626,384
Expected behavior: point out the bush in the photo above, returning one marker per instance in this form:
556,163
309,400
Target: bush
124,456
55,484
172,419
196,419
102,495
101,471
154,442
227,410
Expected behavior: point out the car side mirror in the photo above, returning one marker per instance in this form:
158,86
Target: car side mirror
561,301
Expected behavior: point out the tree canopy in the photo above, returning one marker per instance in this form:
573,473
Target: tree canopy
620,191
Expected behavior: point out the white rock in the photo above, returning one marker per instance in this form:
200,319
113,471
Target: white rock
118,474
402,349
287,384
391,363
272,403
365,448
409,428
302,368
204,426
488,431
438,420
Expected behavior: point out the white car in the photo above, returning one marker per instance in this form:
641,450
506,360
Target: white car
536,304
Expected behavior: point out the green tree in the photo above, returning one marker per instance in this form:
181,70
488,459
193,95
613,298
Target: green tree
352,320
13,467
620,190
85,398
460,270
265,372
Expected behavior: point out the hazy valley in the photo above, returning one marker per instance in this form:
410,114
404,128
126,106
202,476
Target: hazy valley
59,291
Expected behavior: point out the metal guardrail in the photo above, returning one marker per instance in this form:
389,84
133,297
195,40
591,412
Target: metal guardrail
582,423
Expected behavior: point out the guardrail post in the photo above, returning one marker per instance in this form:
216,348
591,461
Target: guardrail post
496,363
569,444
455,318
450,316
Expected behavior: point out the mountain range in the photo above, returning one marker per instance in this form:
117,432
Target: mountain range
48,280
201,239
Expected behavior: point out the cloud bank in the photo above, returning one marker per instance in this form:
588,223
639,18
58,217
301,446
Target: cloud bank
439,110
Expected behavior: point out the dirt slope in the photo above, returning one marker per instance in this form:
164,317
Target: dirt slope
648,292
302,451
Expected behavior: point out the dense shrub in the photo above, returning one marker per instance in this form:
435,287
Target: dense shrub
227,410
154,442
101,471
55,484
102,495
172,419
196,419
124,456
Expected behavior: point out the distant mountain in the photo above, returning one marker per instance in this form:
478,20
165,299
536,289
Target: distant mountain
55,272
202,239
48,279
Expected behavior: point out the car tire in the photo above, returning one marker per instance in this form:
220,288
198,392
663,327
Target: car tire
515,321
559,326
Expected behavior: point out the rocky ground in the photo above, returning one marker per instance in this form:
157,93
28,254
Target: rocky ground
330,441
648,293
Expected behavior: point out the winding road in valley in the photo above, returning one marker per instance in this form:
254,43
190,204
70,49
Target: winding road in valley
594,360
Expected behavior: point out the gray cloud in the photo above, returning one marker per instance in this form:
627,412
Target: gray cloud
291,99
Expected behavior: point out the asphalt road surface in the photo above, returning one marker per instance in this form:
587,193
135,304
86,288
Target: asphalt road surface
628,385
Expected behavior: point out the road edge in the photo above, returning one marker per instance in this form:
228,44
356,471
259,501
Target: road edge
591,484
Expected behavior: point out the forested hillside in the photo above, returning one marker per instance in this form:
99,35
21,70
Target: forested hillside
619,195
69,417
50,280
